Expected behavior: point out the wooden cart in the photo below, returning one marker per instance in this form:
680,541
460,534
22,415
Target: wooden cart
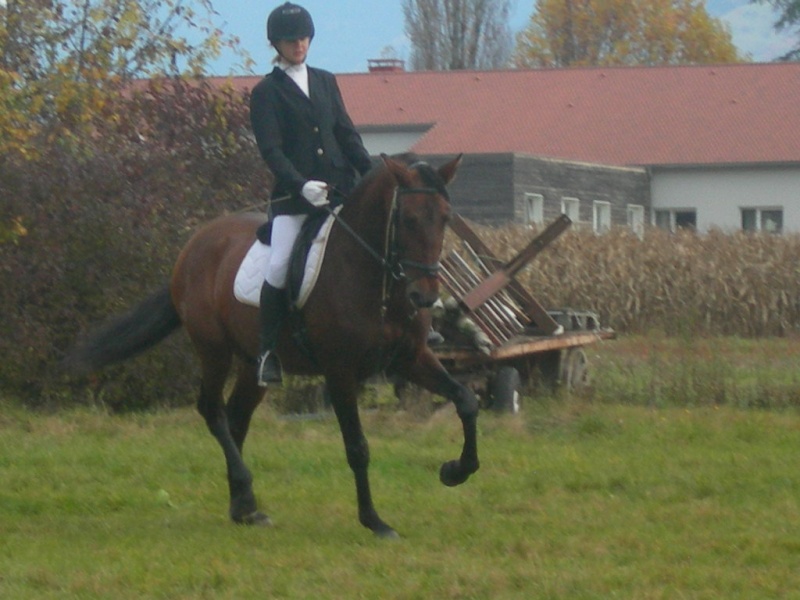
523,344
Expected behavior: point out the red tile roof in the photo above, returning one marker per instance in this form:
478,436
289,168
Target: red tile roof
677,115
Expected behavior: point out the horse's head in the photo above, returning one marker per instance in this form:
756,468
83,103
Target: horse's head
420,210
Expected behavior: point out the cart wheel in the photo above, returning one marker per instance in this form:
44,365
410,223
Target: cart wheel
575,369
504,390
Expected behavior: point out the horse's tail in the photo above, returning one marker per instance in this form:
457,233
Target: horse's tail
126,335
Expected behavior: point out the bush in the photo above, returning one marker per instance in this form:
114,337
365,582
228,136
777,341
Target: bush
91,226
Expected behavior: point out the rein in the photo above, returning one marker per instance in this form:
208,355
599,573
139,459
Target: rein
384,263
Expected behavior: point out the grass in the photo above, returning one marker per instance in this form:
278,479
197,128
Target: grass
579,497
697,371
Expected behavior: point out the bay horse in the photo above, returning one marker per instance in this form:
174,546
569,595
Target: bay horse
366,314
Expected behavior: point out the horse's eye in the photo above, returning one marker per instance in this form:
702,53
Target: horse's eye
409,222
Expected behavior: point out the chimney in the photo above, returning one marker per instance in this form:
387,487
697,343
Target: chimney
386,65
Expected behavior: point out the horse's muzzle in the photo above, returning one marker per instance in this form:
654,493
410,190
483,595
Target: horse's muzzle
423,292
422,300
422,282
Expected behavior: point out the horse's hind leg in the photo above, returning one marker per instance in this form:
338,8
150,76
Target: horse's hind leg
243,506
244,399
343,398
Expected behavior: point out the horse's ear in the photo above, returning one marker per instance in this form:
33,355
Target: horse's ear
448,171
398,170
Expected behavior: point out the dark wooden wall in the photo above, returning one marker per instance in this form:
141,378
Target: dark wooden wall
490,188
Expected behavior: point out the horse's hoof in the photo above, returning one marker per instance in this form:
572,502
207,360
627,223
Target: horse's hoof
451,474
256,518
387,534
378,527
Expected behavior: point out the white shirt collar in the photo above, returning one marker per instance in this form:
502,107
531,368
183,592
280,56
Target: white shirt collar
298,74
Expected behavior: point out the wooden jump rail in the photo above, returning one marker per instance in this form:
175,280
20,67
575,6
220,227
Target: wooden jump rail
496,302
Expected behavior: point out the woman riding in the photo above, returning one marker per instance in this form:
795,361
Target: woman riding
309,142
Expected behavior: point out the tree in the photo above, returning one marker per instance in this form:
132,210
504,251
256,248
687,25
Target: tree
458,34
563,33
60,60
123,38
789,18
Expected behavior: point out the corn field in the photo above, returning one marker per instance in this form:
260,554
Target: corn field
685,282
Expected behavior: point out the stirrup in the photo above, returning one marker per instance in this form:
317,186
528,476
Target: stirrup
269,369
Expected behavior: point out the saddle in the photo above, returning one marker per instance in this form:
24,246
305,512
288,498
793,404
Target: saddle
304,264
302,248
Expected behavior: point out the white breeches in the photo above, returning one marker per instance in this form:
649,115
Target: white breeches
285,229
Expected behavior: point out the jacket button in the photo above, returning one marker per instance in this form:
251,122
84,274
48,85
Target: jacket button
320,151
316,129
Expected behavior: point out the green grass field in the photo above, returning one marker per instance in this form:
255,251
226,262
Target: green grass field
577,497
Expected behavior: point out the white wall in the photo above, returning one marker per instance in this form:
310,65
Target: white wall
718,194
390,142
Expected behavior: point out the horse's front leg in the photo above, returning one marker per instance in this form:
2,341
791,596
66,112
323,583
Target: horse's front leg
428,372
343,397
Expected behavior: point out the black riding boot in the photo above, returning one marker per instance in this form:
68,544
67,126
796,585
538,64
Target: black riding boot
273,309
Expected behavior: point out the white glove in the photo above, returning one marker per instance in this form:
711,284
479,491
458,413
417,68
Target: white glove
316,192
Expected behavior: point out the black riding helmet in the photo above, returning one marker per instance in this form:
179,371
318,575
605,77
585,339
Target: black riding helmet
289,22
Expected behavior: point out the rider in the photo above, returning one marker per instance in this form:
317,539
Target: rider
309,142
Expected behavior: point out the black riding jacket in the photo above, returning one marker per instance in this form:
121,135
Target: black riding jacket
302,137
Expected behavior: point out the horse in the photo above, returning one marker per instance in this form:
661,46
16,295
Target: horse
366,314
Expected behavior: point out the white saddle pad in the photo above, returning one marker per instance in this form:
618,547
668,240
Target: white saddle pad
251,273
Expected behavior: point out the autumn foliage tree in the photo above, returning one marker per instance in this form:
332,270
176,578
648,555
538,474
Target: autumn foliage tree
61,60
565,33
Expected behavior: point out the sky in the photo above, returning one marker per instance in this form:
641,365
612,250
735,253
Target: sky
349,32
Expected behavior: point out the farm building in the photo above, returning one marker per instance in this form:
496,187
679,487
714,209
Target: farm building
674,146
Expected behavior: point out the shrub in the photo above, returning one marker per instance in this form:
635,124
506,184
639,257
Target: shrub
91,226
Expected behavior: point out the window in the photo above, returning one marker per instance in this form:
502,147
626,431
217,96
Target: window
663,220
572,208
772,220
601,216
685,219
636,219
673,219
534,209
769,220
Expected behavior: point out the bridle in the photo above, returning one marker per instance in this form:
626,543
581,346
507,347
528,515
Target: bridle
393,264
392,251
